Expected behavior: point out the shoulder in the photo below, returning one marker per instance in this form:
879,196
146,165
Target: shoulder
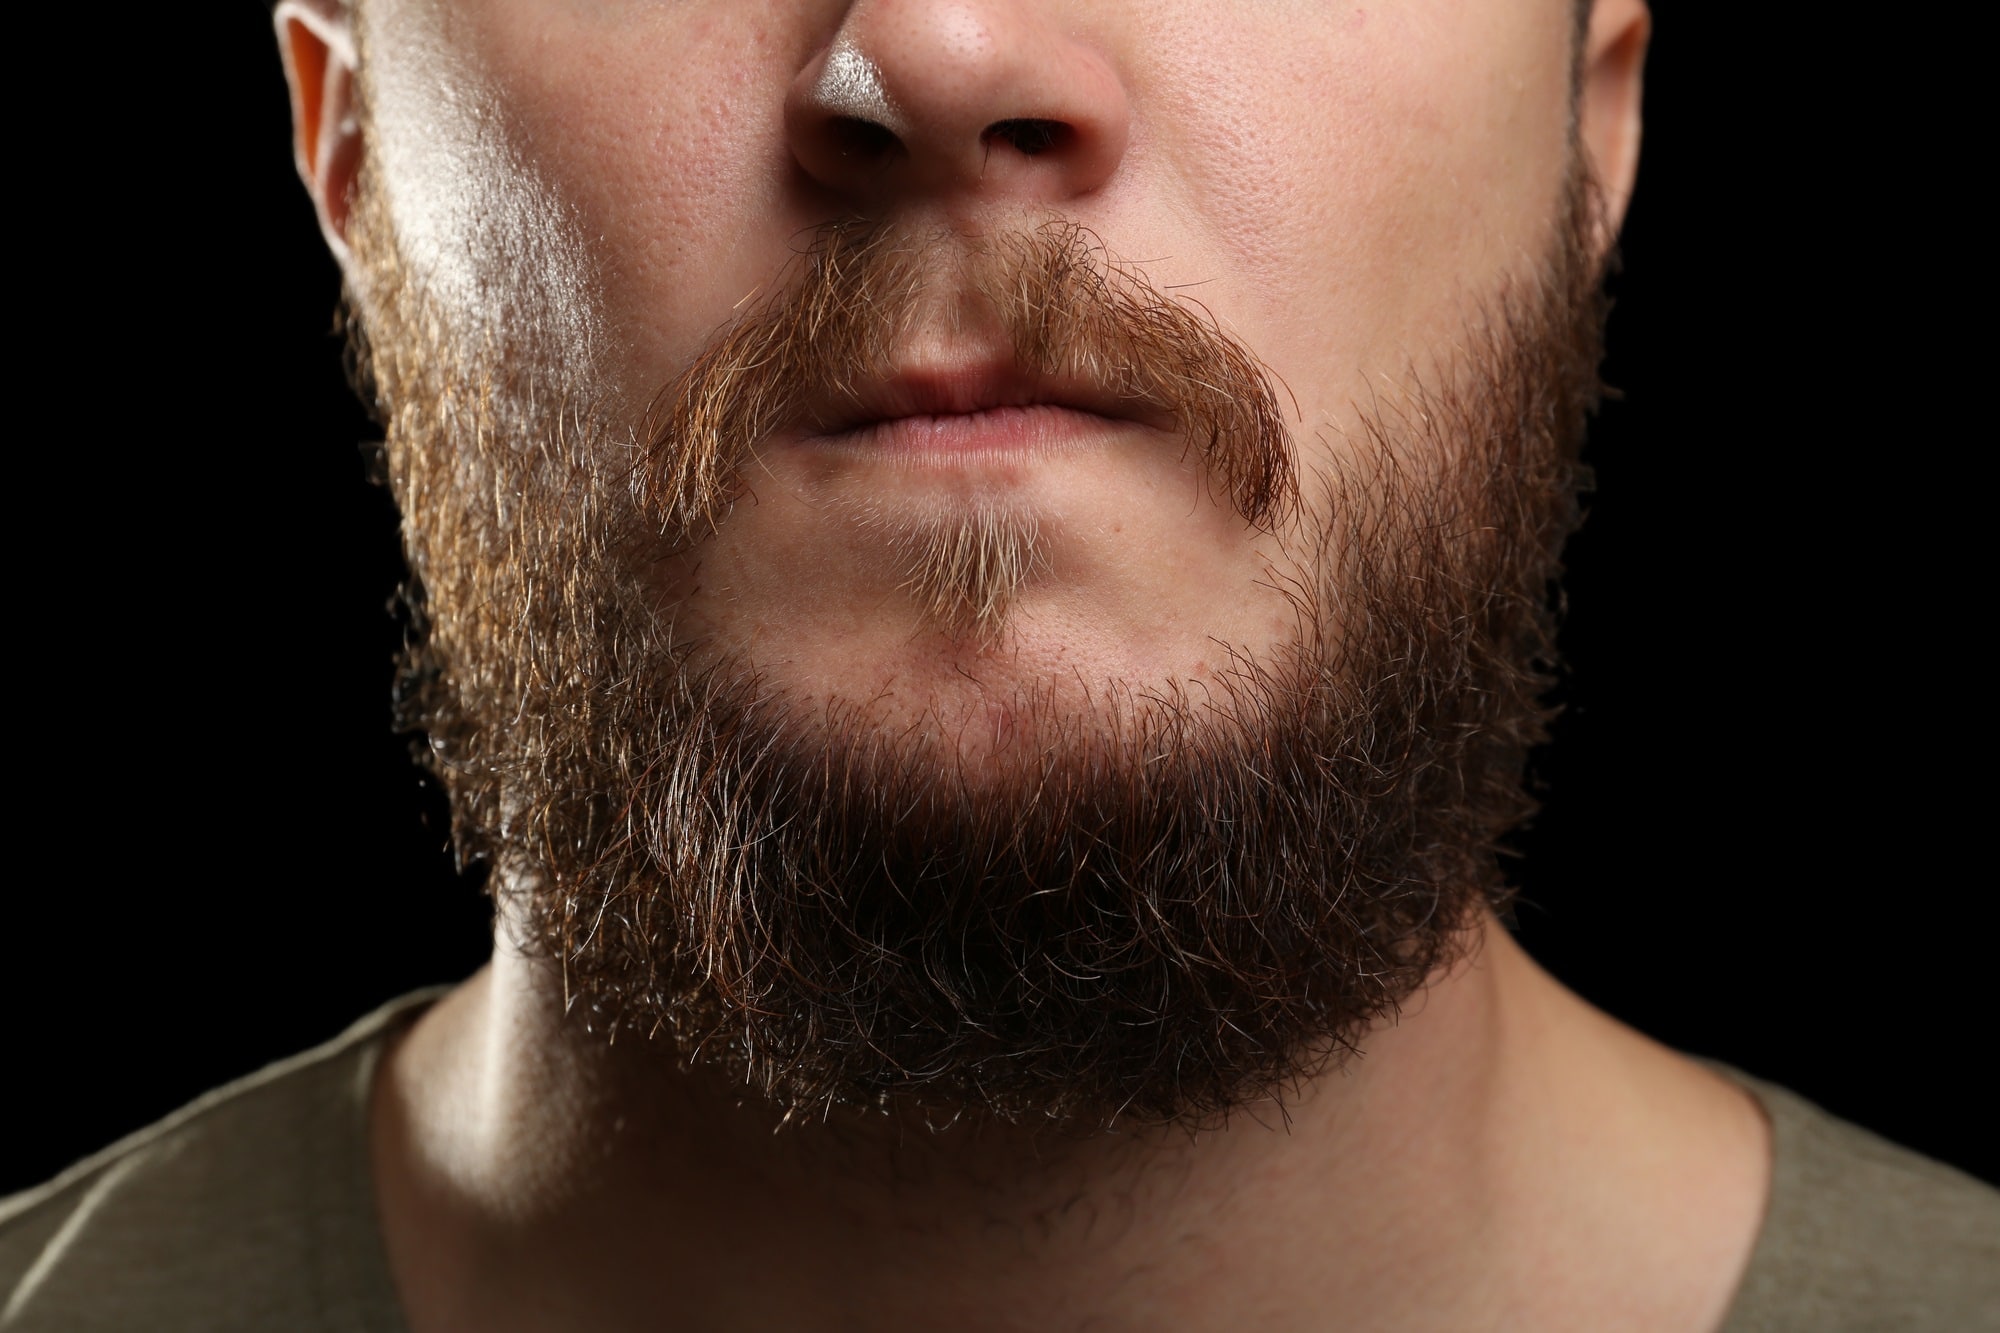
249,1208
1860,1234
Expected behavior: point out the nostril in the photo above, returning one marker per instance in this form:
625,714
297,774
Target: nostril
1029,137
858,138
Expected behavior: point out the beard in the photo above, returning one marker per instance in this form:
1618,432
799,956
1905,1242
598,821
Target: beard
1145,905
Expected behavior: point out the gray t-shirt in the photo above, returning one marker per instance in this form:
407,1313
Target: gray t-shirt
252,1209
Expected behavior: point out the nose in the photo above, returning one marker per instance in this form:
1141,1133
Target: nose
966,98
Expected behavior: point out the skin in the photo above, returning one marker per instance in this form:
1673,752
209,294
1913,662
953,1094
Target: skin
1343,183
1431,179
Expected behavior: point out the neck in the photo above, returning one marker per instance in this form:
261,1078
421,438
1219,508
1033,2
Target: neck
529,1171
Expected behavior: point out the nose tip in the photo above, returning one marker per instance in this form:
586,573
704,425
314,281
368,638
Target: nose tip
979,99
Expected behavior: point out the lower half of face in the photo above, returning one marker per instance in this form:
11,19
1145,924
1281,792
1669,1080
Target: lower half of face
983,674
1124,771
1018,474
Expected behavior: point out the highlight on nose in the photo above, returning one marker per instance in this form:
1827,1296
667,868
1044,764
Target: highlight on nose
849,91
915,98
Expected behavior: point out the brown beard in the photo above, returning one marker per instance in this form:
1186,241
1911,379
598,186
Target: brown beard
1158,908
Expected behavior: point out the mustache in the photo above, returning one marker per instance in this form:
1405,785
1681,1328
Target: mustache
1066,307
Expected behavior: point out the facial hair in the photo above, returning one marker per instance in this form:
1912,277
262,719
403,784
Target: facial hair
1159,907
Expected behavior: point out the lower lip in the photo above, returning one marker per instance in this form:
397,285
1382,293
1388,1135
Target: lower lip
961,437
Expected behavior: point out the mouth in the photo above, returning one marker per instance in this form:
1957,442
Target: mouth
947,414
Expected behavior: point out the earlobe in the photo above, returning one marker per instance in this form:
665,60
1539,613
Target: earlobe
1608,102
316,41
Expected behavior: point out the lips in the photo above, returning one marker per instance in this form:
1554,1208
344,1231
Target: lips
971,406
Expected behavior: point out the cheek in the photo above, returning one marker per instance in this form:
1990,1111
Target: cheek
668,142
651,136
1381,165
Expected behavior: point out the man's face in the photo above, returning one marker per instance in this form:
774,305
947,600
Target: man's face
1338,185
781,760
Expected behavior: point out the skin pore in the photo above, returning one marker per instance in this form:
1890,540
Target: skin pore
604,184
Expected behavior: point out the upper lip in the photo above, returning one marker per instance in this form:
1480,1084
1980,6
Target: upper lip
938,389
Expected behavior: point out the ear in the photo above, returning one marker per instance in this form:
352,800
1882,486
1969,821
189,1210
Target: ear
1608,95
316,39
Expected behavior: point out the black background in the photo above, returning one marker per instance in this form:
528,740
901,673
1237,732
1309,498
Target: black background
1756,844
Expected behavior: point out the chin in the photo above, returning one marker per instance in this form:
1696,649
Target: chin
960,617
